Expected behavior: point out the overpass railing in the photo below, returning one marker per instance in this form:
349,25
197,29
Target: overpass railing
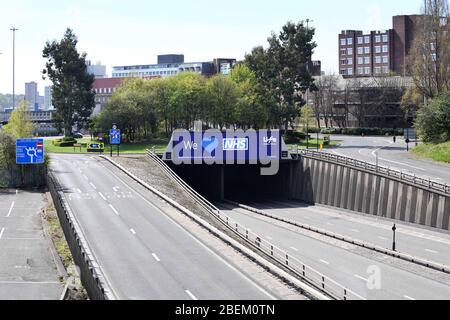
303,271
370,167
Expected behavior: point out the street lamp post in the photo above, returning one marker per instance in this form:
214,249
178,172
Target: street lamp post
14,66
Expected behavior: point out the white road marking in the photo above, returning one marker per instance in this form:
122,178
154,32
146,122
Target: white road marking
359,277
1,232
30,282
115,189
114,209
396,162
156,257
270,238
330,224
355,230
93,186
101,195
17,191
79,191
293,248
132,231
325,262
85,177
191,295
409,298
431,251
383,238
10,209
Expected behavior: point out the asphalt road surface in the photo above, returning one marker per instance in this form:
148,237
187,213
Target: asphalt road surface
346,265
426,243
142,252
27,268
392,155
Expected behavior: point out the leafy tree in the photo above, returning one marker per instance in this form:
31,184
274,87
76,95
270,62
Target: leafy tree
73,97
19,124
221,98
433,120
283,68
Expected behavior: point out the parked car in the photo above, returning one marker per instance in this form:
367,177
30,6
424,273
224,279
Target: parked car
77,135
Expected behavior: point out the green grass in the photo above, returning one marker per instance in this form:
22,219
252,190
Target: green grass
438,152
126,148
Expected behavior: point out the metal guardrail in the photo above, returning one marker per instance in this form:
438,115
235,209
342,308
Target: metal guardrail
370,167
308,274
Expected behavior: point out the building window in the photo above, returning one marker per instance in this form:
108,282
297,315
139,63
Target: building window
366,50
377,70
343,42
385,48
367,60
385,38
367,39
385,69
377,49
360,70
360,40
377,39
360,50
350,71
343,51
360,60
350,61
350,51
349,41
343,72
366,70
377,59
385,59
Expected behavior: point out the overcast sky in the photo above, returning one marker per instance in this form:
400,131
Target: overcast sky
118,32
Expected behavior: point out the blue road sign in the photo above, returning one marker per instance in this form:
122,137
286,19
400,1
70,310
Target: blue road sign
114,136
30,151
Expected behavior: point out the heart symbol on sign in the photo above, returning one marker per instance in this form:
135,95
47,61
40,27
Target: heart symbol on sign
210,144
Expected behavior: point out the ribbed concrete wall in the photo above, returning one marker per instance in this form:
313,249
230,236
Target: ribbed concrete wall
316,181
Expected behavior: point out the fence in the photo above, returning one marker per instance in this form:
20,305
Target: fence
308,274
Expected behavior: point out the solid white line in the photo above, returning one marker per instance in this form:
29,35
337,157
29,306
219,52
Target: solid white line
191,295
101,195
1,232
93,186
409,298
249,280
325,262
383,238
132,231
359,277
431,251
295,249
156,257
10,209
114,209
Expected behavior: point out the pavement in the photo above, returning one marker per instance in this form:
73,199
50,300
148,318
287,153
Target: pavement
392,155
142,252
372,276
27,268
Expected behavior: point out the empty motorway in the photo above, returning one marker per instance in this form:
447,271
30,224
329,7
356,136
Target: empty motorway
142,252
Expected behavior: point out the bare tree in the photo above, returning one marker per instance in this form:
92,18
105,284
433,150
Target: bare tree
429,60
324,98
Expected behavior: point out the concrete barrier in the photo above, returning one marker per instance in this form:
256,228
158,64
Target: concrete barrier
353,188
90,273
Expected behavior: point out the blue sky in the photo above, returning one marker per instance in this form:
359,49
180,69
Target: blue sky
118,32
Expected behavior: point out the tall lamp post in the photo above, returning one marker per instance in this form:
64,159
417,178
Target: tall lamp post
14,66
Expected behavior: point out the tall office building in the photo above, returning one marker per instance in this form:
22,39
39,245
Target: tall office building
32,94
377,53
48,102
98,70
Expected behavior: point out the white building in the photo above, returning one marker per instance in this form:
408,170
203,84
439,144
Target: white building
98,70
48,100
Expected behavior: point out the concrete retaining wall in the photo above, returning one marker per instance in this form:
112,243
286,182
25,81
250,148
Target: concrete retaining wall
318,181
26,176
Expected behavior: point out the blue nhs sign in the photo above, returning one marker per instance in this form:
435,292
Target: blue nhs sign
235,144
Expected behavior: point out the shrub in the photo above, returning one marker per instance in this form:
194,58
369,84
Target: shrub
292,137
433,120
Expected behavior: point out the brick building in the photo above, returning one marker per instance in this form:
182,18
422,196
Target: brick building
377,53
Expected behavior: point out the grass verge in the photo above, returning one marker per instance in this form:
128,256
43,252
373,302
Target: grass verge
438,152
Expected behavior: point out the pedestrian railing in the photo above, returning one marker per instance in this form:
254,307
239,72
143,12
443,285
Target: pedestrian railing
371,167
303,271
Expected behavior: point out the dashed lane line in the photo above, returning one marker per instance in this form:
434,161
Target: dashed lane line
156,257
1,232
191,295
114,210
10,209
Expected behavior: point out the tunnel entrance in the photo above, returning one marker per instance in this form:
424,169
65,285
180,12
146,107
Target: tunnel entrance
236,182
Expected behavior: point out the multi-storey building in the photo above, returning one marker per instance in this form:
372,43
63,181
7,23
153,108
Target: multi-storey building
104,88
377,53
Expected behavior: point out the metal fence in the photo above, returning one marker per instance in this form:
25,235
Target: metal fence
373,168
308,274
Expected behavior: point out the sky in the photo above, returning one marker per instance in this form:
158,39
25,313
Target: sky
117,32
